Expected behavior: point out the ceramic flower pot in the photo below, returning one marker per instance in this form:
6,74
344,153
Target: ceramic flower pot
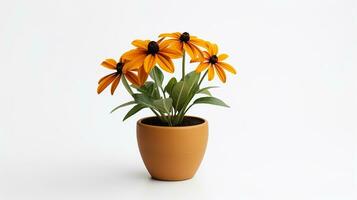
172,153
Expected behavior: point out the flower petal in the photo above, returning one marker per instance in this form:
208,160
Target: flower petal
172,35
202,66
165,63
166,43
149,62
206,55
210,72
197,52
189,50
134,53
171,53
160,40
196,60
213,49
105,82
176,45
134,64
222,57
227,67
115,84
143,44
142,76
198,42
109,63
104,77
220,73
132,77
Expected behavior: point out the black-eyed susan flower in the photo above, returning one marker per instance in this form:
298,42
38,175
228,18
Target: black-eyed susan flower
114,78
148,53
185,41
214,62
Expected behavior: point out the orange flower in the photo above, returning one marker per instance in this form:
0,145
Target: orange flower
213,62
115,77
147,54
187,42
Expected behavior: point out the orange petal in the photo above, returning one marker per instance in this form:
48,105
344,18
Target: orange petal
172,35
115,84
227,67
109,63
104,77
213,49
202,66
197,52
171,53
134,53
105,82
165,63
177,45
196,60
143,44
189,50
206,55
220,73
222,57
198,42
132,77
149,62
142,76
210,72
166,43
134,64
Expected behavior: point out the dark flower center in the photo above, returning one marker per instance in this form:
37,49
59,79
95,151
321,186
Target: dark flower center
213,59
153,48
120,67
185,37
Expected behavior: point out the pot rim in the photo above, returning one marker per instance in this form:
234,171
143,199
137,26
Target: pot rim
140,123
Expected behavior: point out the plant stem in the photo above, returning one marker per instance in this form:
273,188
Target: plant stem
204,75
157,114
183,64
169,117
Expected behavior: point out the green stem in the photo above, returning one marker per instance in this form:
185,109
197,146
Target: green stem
204,75
157,114
183,64
169,117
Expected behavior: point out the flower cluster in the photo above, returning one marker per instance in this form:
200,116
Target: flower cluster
136,64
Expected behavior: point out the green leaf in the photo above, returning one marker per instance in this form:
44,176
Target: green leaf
210,100
163,105
170,85
144,100
184,90
134,110
205,90
123,105
126,85
157,75
148,89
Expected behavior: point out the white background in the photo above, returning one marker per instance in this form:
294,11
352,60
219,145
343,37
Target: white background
290,132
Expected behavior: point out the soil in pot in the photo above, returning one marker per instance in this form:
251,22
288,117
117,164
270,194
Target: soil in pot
187,121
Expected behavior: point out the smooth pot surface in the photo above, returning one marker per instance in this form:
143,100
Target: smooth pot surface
172,153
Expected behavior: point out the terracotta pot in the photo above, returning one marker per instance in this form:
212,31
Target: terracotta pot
172,153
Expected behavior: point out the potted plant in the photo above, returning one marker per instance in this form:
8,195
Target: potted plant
171,143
